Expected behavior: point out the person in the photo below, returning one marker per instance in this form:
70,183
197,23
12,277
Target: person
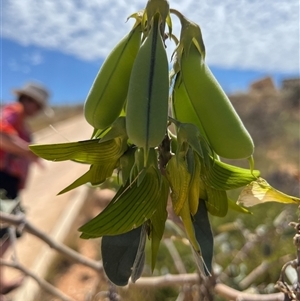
15,155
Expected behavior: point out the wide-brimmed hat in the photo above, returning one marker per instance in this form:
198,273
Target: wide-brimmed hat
37,92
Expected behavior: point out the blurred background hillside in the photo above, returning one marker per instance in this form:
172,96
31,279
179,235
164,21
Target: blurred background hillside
251,249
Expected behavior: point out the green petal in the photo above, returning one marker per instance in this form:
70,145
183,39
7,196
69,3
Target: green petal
96,175
224,176
87,151
129,209
216,203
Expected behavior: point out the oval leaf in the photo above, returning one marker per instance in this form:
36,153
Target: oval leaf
204,235
119,253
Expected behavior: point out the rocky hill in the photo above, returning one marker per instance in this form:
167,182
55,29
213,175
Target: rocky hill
272,117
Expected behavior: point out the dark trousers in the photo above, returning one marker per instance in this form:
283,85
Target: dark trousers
10,184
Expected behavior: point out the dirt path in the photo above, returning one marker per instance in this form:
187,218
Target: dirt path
75,280
44,208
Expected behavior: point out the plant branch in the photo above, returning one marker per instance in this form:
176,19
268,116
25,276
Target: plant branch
220,289
260,270
28,227
175,256
166,280
235,295
149,282
42,283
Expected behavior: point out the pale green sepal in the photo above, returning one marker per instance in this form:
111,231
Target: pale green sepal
216,202
190,33
96,175
236,207
117,130
260,191
160,7
126,164
158,221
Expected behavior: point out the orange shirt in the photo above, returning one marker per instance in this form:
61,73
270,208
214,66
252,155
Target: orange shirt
12,122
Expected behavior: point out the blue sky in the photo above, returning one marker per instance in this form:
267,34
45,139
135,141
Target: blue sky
63,43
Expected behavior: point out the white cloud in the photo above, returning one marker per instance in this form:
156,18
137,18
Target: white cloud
15,66
26,62
259,35
33,58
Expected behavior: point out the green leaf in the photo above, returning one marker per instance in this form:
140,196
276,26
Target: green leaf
96,175
139,261
204,235
129,209
119,254
260,191
158,220
87,151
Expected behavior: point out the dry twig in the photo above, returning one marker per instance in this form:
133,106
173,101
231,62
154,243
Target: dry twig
42,283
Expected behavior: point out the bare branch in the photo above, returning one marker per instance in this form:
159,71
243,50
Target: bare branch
43,284
234,295
220,289
261,269
175,256
258,271
166,280
16,221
